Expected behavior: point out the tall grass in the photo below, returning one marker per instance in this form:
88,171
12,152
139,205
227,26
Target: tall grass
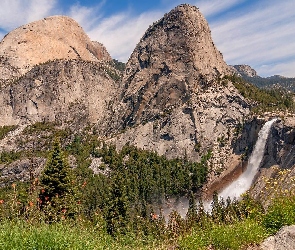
19,235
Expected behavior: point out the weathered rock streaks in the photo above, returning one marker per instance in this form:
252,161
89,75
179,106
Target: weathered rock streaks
63,91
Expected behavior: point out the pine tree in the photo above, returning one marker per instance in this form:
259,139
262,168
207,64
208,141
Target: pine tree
57,196
117,215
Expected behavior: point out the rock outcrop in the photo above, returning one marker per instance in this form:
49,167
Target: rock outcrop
51,71
21,170
280,148
278,163
56,37
7,71
282,240
175,58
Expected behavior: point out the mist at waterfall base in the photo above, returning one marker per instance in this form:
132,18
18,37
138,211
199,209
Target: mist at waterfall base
179,204
233,190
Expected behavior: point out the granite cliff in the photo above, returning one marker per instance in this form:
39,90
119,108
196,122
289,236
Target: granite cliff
72,91
51,71
244,70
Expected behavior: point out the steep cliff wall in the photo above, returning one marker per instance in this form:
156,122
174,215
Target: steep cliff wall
74,92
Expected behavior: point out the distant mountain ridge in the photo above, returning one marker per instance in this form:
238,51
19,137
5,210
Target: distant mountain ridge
276,81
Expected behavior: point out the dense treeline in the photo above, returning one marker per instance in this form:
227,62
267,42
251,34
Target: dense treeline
140,178
131,180
151,177
127,186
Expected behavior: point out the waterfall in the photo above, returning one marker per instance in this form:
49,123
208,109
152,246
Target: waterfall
244,182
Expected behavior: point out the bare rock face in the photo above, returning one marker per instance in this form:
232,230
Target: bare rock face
278,163
21,170
175,100
175,57
51,71
74,92
56,37
280,147
99,51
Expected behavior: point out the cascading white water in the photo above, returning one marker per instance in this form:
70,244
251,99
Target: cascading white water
243,183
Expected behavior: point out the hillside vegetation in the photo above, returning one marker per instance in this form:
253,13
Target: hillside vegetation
263,100
115,208
273,82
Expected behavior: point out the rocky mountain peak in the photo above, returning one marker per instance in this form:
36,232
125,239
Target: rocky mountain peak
55,37
175,99
182,34
176,56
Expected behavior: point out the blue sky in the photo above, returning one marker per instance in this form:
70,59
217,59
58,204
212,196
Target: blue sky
258,33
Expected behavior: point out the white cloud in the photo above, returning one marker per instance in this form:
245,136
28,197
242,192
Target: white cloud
258,37
14,13
120,33
279,68
87,17
210,8
39,9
